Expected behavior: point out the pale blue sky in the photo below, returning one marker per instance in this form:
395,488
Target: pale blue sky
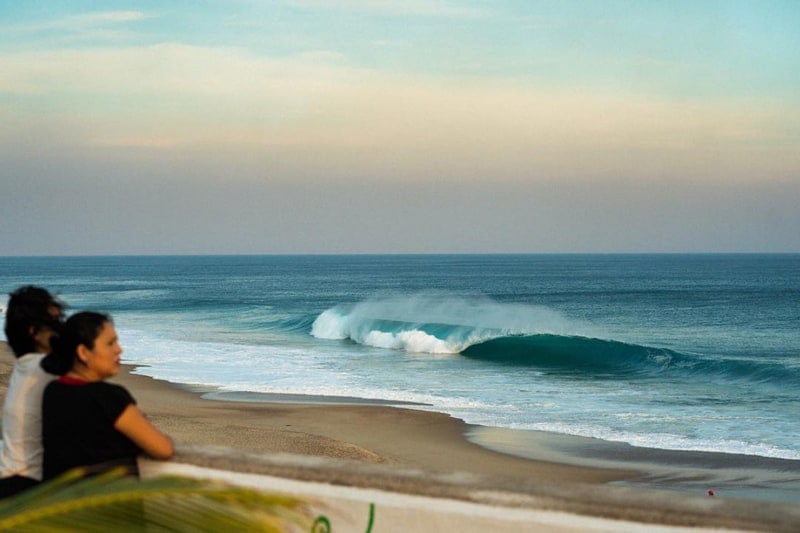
351,126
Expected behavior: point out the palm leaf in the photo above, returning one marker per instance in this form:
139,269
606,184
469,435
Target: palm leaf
115,502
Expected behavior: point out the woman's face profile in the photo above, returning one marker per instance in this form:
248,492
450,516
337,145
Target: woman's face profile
103,360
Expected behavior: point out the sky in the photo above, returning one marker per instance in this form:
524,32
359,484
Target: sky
405,126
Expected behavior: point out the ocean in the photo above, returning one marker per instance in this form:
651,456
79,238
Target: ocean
672,352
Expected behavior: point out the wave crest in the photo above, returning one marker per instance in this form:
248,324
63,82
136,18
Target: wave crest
435,324
520,335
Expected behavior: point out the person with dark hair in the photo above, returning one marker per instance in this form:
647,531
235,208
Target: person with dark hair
87,422
33,316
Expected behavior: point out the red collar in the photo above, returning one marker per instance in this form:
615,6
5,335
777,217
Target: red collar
69,380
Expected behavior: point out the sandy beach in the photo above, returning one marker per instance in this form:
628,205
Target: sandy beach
417,453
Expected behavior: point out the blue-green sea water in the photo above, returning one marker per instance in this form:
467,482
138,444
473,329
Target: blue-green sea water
678,352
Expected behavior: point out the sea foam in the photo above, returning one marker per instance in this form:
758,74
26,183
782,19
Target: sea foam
437,324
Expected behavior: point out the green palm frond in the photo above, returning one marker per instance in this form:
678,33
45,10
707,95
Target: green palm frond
114,502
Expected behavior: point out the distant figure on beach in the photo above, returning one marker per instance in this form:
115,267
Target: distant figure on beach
87,422
32,317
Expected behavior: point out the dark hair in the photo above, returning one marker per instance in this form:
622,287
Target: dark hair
80,328
29,307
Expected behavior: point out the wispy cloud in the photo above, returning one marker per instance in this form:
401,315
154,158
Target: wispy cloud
86,21
102,17
425,8
92,27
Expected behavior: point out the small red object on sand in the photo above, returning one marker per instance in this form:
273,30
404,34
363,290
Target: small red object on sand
710,492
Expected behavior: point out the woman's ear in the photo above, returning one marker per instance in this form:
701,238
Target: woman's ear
83,353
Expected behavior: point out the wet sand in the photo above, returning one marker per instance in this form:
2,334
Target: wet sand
415,452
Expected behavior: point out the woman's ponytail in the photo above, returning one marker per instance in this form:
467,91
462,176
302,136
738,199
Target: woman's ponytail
61,357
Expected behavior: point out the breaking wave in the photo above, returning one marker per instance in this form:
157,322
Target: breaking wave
518,334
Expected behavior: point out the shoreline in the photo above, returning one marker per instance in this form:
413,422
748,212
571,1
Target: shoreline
748,477
362,431
368,445
400,449
688,472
